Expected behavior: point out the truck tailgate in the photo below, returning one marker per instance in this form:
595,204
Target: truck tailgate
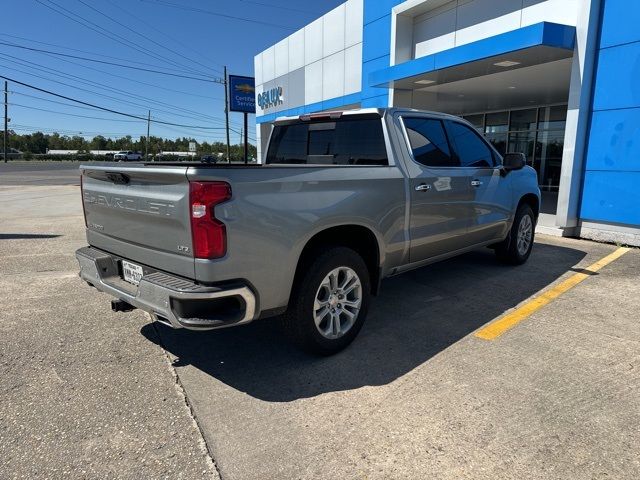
140,213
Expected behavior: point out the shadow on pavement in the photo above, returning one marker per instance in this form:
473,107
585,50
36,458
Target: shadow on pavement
26,236
418,315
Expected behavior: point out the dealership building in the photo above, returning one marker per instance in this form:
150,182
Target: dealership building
558,80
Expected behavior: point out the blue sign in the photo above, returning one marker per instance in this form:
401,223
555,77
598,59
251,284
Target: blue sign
242,94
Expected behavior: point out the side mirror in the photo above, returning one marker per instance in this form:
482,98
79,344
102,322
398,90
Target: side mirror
514,161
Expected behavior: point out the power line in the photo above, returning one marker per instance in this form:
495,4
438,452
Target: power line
139,81
166,35
130,103
72,114
80,80
104,32
142,36
102,108
279,7
100,55
215,14
133,80
88,134
47,130
104,119
22,94
114,64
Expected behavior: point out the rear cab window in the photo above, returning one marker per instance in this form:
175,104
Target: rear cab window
348,140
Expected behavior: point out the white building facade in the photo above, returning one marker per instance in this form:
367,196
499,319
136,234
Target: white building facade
553,79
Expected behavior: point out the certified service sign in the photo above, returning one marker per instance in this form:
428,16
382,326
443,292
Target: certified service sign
242,94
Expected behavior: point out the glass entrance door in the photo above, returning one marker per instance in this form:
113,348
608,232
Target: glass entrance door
536,132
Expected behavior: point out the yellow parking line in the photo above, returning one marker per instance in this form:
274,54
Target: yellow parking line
510,320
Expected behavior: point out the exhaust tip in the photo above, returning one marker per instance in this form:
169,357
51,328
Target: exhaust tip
121,306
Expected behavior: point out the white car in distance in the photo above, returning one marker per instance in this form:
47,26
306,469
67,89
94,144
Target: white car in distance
127,156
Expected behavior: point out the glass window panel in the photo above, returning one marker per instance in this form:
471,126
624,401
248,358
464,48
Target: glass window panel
288,144
321,142
477,121
523,142
429,142
360,142
349,141
553,118
499,141
469,146
549,157
497,122
523,119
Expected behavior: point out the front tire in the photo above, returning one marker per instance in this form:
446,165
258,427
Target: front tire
329,302
517,247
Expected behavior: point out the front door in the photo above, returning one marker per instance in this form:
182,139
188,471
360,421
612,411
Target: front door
441,197
490,191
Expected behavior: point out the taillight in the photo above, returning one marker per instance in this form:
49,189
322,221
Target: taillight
84,210
208,233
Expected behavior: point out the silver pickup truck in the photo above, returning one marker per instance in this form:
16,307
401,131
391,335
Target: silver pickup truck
343,200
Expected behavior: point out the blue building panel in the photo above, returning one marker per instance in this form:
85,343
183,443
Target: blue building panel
376,9
370,91
620,22
381,101
614,143
377,39
618,77
610,191
611,197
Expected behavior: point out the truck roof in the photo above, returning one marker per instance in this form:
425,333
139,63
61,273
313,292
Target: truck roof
359,111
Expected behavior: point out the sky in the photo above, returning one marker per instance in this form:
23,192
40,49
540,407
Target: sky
173,38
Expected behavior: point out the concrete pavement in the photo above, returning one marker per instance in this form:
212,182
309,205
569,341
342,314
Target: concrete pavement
416,396
83,395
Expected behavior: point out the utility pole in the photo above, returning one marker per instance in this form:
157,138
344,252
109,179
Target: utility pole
146,144
246,138
6,117
226,112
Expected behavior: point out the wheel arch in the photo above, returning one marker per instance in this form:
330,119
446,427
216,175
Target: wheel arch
533,201
359,238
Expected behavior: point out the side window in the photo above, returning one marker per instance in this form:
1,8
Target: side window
471,150
429,142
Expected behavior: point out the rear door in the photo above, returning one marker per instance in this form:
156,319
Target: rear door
490,208
440,195
140,213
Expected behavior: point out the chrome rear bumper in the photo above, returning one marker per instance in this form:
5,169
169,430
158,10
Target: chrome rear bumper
171,300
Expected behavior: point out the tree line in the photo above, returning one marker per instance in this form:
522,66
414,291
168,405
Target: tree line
40,143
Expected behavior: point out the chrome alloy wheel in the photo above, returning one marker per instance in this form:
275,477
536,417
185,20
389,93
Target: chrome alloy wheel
525,234
337,302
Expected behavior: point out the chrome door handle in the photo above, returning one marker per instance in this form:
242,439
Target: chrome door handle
476,183
423,187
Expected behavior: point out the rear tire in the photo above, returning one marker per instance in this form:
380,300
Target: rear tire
329,302
516,248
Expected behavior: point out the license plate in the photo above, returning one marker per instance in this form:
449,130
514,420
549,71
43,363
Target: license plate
131,273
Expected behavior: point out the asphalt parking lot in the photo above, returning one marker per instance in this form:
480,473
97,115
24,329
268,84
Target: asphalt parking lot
17,172
87,393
